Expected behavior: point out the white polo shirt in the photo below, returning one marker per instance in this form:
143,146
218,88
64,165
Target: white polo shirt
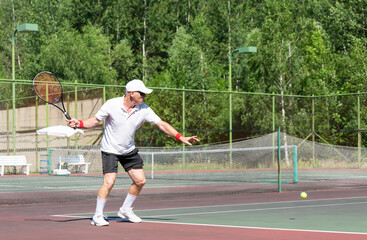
118,137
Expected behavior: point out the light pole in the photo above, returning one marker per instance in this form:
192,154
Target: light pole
239,50
26,27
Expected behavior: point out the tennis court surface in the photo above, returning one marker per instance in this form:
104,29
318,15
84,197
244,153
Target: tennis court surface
214,194
61,208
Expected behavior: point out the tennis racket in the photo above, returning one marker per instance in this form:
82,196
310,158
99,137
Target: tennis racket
49,89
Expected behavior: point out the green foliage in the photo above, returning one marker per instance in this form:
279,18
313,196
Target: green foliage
86,58
123,62
185,61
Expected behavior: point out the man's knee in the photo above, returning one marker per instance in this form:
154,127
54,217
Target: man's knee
109,181
140,182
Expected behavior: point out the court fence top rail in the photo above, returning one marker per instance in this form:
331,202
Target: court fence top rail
183,89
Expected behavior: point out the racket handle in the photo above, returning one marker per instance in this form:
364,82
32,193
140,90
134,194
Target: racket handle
67,116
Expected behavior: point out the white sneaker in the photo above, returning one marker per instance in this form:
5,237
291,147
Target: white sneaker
129,215
99,221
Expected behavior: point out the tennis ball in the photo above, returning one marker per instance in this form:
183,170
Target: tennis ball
303,195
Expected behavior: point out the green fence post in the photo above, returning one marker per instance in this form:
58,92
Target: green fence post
14,124
47,120
230,128
104,100
279,163
76,109
49,161
7,129
273,116
68,110
183,126
38,162
359,130
313,130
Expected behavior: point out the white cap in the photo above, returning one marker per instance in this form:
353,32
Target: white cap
137,86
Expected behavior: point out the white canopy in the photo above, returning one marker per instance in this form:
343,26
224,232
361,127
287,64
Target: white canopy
59,131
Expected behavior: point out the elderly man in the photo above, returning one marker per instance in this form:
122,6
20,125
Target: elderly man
123,116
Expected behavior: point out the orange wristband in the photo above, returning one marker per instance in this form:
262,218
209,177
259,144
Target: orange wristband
81,124
178,135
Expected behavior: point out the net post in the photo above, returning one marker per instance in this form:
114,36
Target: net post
295,166
279,163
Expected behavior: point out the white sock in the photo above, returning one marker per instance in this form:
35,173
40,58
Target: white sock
100,206
129,200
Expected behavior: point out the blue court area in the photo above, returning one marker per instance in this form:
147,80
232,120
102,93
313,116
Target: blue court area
159,179
262,179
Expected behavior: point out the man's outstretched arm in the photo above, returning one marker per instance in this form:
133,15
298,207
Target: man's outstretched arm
169,130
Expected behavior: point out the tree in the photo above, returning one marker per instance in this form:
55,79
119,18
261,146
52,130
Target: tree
184,61
123,62
86,58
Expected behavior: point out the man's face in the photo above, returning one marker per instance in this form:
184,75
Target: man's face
138,97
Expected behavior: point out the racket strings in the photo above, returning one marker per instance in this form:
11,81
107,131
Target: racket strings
48,88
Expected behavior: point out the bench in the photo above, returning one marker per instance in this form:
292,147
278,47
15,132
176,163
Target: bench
14,161
72,160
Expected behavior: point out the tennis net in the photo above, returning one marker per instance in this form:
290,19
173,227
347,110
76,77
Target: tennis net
169,172
251,166
238,165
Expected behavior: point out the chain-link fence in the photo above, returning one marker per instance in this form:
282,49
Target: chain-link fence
332,119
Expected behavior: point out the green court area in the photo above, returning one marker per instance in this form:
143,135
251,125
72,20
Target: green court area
245,202
342,215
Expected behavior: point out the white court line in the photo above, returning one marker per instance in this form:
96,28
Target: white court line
240,227
259,228
254,210
231,226
82,215
72,215
263,203
230,211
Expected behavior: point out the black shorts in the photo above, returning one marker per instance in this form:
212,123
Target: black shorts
128,161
